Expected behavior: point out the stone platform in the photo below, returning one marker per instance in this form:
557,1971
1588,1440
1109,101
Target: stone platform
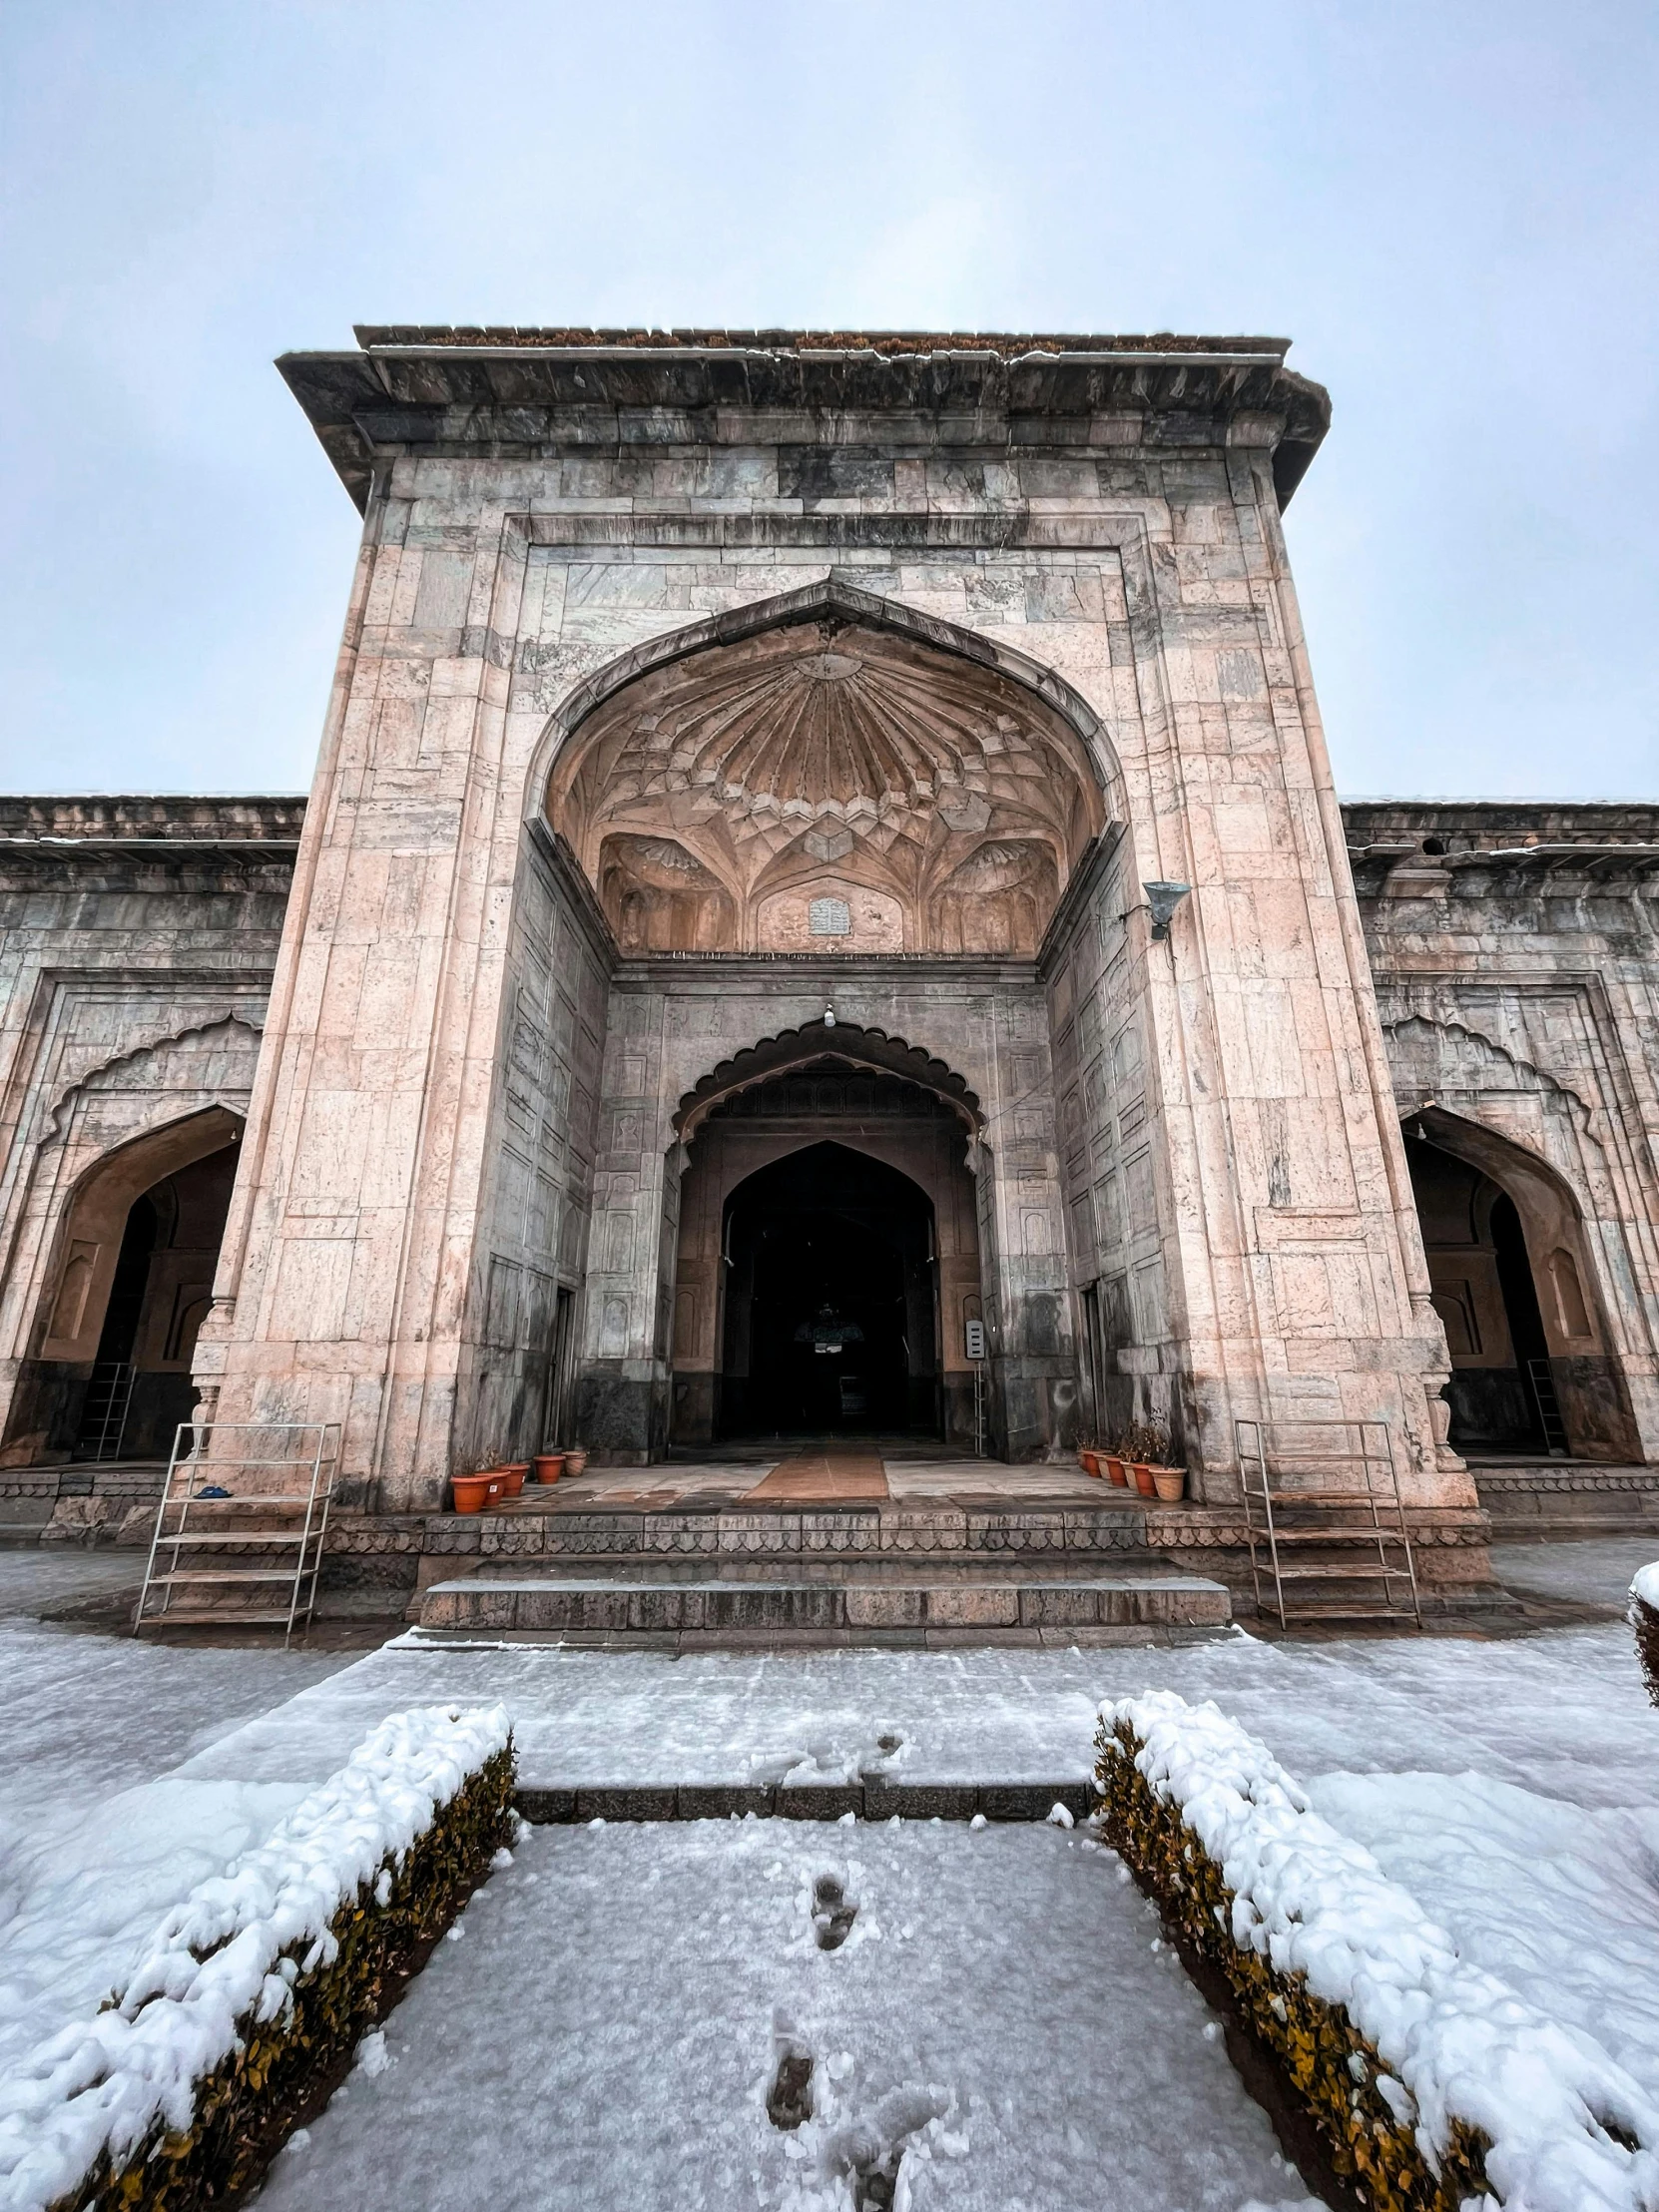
806,1513
1566,1500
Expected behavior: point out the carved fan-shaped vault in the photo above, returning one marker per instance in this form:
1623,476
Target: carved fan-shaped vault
825,786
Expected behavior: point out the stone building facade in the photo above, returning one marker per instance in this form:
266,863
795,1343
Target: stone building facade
716,964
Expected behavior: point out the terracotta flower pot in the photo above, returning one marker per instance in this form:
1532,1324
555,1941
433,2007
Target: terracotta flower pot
1143,1478
575,1460
1169,1484
548,1466
469,1491
1115,1469
1089,1461
514,1474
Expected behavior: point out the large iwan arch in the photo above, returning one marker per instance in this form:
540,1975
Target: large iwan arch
833,771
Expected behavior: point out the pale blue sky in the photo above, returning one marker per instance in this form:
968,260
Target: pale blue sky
1449,207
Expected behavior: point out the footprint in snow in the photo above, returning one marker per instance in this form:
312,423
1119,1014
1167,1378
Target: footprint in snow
834,1911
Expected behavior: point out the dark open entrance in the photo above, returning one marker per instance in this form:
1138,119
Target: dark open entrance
139,1387
1501,1392
830,1299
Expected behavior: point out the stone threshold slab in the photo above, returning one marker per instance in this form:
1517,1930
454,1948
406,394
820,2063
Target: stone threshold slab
688,1643
896,1570
718,1606
809,1801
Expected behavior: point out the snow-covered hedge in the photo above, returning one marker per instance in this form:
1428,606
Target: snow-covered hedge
1644,1619
254,1988
1430,2081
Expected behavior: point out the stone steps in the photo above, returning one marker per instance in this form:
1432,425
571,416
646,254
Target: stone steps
815,1532
841,1610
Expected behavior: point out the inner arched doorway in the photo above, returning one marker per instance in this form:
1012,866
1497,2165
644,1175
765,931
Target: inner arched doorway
827,1258
830,1322
1532,1370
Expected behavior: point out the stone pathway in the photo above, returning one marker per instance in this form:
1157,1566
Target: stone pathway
827,1474
829,1478
722,2014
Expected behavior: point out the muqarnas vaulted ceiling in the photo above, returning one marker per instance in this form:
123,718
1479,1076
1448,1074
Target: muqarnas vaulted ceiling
826,787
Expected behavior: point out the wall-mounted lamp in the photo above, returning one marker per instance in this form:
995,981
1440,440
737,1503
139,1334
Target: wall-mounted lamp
829,1017
1162,901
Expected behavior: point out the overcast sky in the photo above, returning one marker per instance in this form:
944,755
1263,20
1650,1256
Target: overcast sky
1449,207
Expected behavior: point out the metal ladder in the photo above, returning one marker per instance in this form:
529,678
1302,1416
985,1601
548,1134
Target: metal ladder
239,1533
1328,1537
1549,1408
104,1415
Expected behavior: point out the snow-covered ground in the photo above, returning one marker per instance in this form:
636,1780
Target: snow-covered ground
606,2029
1512,1786
227,1954
98,1834
1564,1713
39,1580
1597,1573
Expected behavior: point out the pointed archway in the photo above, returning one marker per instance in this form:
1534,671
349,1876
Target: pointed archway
815,1178
830,1322
114,1337
830,771
1534,1368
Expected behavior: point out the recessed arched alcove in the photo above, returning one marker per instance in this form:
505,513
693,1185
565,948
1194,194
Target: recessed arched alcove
829,781
1533,1369
822,1197
132,1284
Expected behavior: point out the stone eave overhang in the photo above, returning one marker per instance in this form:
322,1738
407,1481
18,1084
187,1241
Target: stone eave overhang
164,817
117,839
502,393
1415,848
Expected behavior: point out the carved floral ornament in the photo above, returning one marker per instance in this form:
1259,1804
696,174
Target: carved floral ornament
826,787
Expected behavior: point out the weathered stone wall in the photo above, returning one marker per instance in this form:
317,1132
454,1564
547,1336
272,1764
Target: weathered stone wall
532,1240
1515,969
1110,1129
137,941
1513,946
468,1093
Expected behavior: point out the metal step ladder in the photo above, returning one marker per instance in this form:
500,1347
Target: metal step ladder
241,1526
1549,1408
1328,1537
104,1414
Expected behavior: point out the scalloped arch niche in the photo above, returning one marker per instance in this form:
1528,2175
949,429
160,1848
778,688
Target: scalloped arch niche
826,787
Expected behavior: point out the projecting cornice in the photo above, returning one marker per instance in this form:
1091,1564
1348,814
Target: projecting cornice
508,391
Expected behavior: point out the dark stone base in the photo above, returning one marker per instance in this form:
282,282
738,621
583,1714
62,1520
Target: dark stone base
694,1407
1595,1406
621,1419
45,1409
874,1800
50,1403
1493,1409
543,1605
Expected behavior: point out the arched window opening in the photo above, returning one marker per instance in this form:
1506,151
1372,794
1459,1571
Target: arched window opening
139,1387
